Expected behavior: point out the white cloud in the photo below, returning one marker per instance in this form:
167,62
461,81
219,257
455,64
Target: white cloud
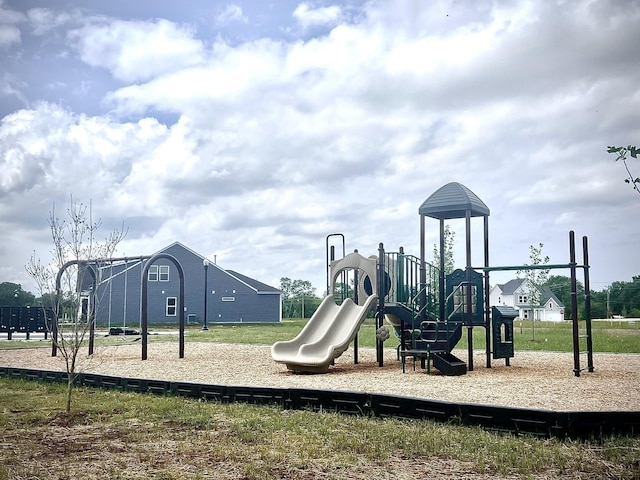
137,50
307,16
43,20
231,13
278,142
9,35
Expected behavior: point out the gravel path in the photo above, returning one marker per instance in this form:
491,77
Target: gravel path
534,380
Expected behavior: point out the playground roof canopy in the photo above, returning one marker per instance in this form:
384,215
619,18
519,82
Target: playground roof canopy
453,200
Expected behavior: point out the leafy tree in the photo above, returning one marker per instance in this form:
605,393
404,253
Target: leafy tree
560,285
296,288
299,298
449,261
535,280
12,295
74,239
624,297
622,154
599,304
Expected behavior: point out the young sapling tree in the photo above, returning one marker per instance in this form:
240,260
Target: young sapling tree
75,245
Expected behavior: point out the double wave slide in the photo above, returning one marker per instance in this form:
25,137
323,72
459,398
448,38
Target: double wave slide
325,337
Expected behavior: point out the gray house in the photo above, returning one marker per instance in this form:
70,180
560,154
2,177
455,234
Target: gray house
231,297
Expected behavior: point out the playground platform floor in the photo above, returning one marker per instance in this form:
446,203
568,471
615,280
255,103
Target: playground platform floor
543,380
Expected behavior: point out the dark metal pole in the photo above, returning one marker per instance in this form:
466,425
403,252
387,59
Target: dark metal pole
423,272
355,300
487,305
206,278
58,296
92,310
181,302
441,277
381,292
332,258
587,303
468,302
144,312
54,320
574,304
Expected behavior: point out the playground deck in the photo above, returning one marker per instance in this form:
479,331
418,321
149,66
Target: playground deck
540,380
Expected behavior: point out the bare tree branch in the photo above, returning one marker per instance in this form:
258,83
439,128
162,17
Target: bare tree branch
74,239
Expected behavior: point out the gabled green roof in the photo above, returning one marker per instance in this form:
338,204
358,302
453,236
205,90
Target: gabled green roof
452,201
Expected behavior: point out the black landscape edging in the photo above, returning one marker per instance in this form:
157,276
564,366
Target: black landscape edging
545,423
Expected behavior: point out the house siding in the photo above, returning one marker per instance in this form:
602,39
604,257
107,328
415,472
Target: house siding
249,304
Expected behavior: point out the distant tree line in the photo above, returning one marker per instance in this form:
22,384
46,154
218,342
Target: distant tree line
300,299
12,295
620,298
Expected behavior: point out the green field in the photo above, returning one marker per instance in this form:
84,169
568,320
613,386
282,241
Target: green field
124,435
608,336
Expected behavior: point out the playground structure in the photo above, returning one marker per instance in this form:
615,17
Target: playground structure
427,309
332,327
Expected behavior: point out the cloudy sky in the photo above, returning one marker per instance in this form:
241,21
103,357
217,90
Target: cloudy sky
249,131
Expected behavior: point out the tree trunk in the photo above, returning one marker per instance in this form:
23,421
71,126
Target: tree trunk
69,391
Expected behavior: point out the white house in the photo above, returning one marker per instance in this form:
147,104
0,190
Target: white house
515,293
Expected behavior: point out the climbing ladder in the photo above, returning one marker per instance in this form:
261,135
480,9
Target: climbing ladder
582,333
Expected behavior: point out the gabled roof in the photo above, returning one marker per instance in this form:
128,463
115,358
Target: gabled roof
453,200
259,287
255,284
512,285
182,245
549,295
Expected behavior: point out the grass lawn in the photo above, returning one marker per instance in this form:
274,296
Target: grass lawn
608,336
128,435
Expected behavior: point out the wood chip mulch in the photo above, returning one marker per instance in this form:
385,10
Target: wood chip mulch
543,380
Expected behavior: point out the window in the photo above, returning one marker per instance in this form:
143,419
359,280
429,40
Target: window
164,273
172,304
522,299
158,273
525,314
550,306
152,276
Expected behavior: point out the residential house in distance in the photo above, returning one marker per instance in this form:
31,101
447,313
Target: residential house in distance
231,296
515,293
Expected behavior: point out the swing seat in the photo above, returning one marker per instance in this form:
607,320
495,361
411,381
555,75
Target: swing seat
123,331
